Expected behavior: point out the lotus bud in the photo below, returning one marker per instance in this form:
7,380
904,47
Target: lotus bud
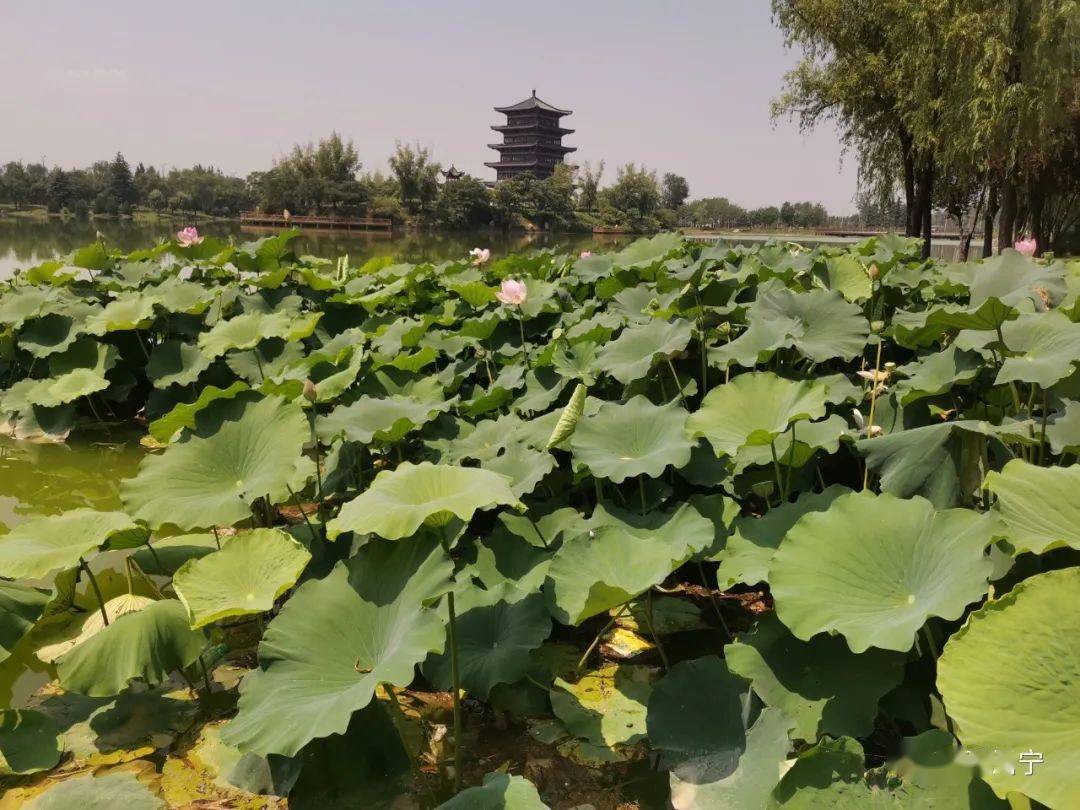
557,333
873,271
874,430
585,254
860,421
480,255
311,392
877,326
724,328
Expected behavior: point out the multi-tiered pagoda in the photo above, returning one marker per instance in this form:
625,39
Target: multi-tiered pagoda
532,139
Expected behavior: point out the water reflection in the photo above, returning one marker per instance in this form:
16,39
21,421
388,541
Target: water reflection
25,243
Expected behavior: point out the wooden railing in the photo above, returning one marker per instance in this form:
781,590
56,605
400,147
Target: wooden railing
260,220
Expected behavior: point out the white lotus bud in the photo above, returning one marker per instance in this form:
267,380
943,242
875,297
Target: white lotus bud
311,392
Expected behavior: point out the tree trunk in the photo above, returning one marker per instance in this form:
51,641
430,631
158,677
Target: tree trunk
988,222
910,204
1007,220
925,202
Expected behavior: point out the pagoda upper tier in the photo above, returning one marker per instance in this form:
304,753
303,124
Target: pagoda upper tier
532,139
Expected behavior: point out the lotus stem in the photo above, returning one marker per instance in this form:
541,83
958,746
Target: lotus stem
318,459
524,345
596,640
402,719
258,362
712,598
791,461
776,469
1042,431
303,514
206,676
146,577
217,538
652,631
455,677
678,384
641,490
97,590
873,405
929,637
599,488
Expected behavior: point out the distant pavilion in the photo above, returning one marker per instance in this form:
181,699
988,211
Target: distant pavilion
532,139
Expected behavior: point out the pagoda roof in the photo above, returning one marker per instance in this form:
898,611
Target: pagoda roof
530,128
532,103
531,146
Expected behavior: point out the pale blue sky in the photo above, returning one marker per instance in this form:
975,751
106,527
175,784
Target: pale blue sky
679,86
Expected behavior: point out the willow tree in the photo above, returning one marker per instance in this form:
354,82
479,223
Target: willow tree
978,96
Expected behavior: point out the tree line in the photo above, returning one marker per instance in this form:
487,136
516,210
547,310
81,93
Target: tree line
327,177
968,107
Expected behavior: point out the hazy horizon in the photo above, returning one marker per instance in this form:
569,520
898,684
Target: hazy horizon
679,87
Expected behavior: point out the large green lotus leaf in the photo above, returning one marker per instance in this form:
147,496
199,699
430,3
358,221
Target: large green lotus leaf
1063,429
916,329
149,644
937,373
918,461
249,573
19,304
762,337
80,382
500,791
503,557
174,362
874,568
827,326
336,640
165,428
84,353
1038,505
20,607
44,545
696,719
820,684
246,330
796,446
647,250
134,311
849,277
496,631
49,334
753,409
1044,346
630,356
1013,279
624,440
213,480
602,568
606,707
29,742
271,362
684,530
89,792
830,776
1010,679
387,419
177,295
400,501
169,553
524,467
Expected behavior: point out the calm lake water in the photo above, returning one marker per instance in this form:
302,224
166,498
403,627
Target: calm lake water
25,243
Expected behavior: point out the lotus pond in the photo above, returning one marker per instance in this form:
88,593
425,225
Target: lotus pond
669,526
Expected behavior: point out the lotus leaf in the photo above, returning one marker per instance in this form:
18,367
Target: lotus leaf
500,791
753,409
1063,429
29,742
820,684
569,417
247,330
336,640
621,441
165,428
1010,678
89,792
1038,505
149,644
1044,348
134,311
386,420
20,607
45,545
249,573
874,568
496,631
937,373
524,467
607,707
820,325
1015,279
175,363
398,502
697,719
630,356
212,480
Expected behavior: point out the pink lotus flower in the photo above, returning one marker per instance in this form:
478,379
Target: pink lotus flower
585,254
188,237
1027,246
512,293
480,255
